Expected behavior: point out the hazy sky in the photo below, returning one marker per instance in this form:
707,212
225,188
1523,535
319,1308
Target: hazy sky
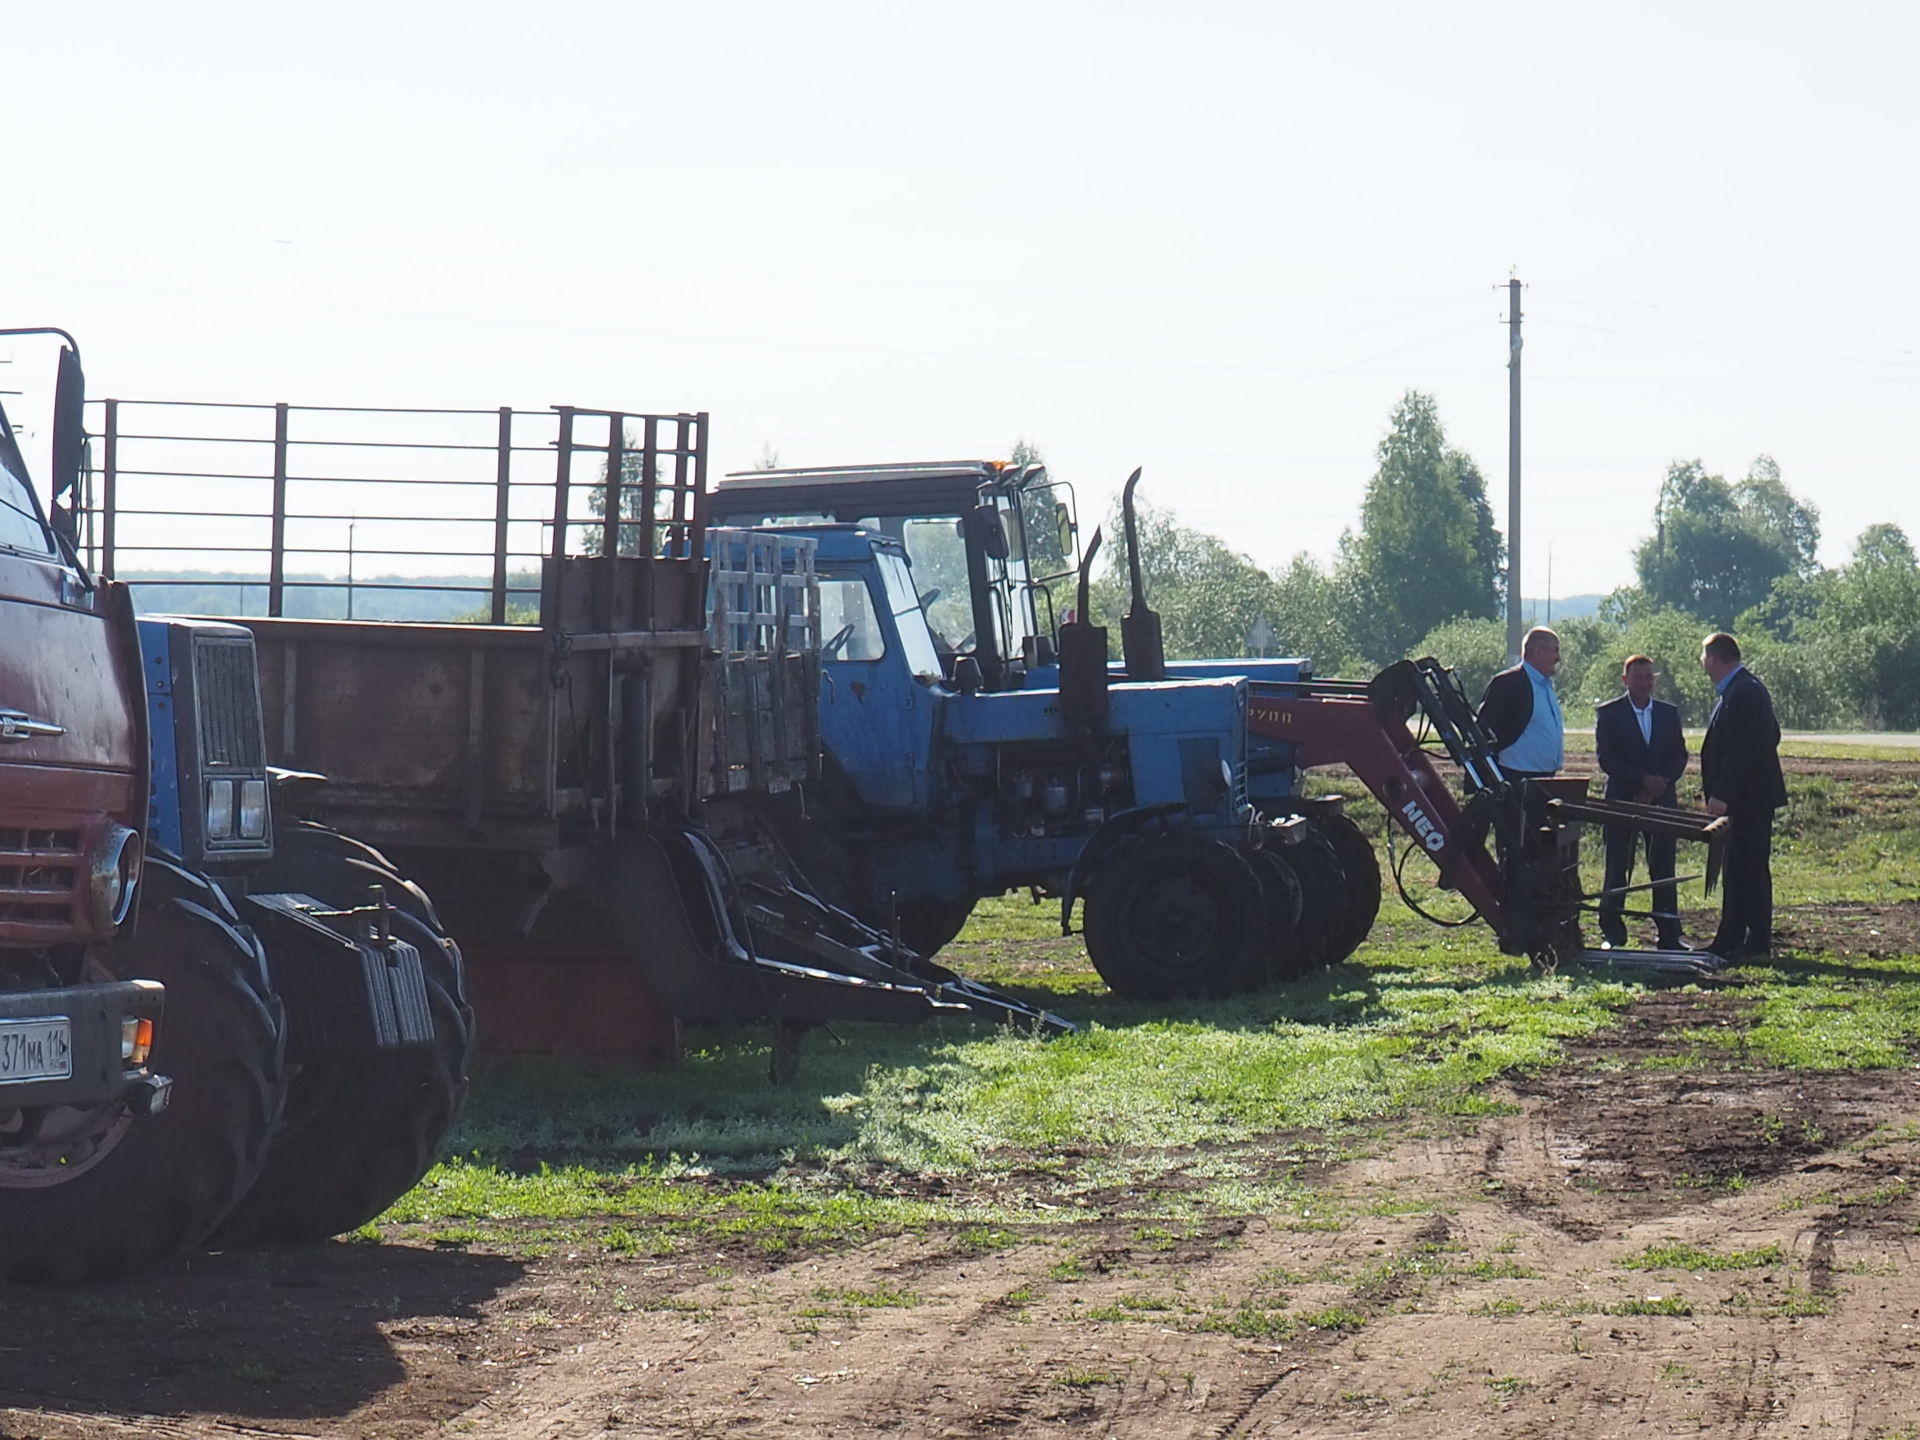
1218,240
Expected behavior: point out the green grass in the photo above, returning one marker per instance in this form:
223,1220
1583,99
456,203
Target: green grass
977,1129
1411,1031
1653,1305
1253,1321
1690,1257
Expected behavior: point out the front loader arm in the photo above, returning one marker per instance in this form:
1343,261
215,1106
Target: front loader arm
1344,726
1530,894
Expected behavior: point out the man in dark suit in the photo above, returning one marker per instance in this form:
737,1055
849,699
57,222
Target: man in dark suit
1640,749
1522,714
1740,773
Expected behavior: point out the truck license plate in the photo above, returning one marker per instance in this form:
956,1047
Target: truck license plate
36,1049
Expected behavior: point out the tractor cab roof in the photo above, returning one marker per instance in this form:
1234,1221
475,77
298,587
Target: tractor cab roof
863,492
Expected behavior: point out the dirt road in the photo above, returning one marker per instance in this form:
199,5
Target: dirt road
1633,1248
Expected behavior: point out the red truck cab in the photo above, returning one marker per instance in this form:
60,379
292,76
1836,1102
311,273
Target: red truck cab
73,795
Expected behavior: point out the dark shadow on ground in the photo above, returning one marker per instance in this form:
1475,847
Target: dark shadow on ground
274,1333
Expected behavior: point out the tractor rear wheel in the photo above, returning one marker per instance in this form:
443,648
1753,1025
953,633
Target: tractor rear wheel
95,1193
362,1127
1360,867
1173,913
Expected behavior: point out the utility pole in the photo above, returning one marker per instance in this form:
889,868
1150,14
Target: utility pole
1513,471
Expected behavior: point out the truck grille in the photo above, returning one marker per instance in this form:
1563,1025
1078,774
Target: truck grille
228,699
39,870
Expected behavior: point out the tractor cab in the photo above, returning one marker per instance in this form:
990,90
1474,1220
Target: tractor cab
884,660
989,543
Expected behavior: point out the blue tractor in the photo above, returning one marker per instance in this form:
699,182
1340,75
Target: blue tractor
979,741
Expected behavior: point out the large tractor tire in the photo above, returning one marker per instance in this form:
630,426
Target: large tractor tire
1360,867
928,926
361,1128
305,851
96,1193
1173,914
1323,903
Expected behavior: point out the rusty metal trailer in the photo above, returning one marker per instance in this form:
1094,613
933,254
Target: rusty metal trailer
566,758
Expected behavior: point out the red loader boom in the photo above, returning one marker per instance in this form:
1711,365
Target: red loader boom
1526,884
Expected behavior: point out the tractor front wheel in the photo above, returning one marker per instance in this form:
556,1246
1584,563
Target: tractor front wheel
1172,914
1360,868
362,1127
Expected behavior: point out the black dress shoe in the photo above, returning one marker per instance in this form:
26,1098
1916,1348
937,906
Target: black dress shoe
1616,938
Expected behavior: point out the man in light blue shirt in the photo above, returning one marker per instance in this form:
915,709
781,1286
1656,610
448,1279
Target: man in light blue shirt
1521,712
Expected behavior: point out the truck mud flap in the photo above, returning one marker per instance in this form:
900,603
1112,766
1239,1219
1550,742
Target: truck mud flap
344,990
717,951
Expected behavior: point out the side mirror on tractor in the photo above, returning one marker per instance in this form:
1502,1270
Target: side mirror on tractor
992,531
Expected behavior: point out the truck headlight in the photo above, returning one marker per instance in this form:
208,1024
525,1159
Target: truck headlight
253,809
115,875
219,809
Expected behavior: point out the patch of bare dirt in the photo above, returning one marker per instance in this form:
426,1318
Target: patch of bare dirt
1834,933
1661,1112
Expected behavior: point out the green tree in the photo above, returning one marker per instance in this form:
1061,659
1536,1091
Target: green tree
1670,638
1867,628
1718,548
1310,617
632,502
1426,549
1476,648
1207,596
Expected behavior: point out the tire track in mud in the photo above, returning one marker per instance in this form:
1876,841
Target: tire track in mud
1369,1299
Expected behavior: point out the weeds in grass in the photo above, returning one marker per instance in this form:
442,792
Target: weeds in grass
1508,1386
1506,1305
1131,1307
1074,1378
1790,1303
1653,1305
881,1297
980,1239
1692,1257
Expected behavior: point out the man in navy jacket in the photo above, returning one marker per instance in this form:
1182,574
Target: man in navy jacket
1639,747
1740,773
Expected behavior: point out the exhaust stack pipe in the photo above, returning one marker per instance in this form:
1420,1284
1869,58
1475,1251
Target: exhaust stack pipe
1141,647
1083,658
